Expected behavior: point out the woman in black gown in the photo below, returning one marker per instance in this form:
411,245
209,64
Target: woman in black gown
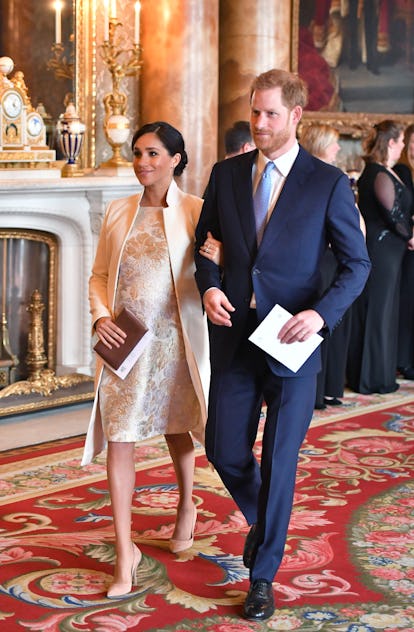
405,170
385,204
322,141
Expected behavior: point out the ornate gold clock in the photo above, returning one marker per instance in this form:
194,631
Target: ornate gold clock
12,104
22,129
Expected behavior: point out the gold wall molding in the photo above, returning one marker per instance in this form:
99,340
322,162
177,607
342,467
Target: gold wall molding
52,244
85,76
354,125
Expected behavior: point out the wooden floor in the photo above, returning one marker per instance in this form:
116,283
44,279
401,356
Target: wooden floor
21,430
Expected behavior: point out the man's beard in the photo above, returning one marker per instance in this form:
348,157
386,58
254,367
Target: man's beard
275,142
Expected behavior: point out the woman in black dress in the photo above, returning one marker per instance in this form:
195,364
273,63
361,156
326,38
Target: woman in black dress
322,141
405,170
385,204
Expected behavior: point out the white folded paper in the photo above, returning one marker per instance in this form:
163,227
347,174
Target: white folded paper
292,355
131,359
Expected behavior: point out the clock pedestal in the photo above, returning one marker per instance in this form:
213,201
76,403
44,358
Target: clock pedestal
22,129
33,159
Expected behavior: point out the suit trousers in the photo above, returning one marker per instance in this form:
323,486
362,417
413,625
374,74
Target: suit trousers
264,493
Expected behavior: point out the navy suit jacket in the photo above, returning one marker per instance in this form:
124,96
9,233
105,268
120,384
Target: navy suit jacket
316,207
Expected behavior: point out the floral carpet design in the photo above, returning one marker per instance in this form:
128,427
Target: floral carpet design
349,558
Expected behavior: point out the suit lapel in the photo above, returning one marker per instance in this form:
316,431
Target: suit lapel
288,198
243,192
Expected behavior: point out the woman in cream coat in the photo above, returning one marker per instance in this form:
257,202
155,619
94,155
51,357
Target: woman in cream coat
144,261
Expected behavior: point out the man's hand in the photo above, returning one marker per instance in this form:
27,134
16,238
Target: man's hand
217,307
301,326
110,334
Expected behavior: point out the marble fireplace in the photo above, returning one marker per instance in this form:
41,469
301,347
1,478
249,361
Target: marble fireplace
71,209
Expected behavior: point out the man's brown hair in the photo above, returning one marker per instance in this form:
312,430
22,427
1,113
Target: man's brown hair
294,89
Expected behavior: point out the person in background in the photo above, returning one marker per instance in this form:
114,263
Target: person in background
405,360
274,235
144,261
385,203
238,139
407,157
322,141
368,48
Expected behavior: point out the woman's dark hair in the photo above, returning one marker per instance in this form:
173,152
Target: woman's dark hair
375,145
405,156
170,137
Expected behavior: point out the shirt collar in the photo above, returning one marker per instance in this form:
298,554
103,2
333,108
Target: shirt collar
283,163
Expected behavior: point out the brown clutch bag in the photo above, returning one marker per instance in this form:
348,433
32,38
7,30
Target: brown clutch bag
121,359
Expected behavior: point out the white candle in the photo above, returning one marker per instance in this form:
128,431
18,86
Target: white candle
106,20
58,23
137,15
113,9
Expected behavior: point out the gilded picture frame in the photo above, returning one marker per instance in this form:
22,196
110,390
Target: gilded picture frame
85,75
353,124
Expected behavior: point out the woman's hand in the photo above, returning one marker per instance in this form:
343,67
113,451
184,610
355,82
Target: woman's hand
212,249
109,333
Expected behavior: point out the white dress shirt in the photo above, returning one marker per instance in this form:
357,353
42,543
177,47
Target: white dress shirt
283,165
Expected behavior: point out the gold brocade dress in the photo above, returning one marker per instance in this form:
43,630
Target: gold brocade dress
157,396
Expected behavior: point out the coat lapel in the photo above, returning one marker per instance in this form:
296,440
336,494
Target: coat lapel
121,226
243,192
288,198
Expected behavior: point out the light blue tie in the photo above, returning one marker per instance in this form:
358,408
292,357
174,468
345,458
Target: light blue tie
261,200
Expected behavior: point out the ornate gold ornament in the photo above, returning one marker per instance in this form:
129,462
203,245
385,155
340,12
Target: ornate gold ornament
122,61
41,379
22,129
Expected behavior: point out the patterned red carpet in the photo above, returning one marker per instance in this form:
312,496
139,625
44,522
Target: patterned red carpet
349,560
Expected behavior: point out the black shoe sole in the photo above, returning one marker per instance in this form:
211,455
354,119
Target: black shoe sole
261,618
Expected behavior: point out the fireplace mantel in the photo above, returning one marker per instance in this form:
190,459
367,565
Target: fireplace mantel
72,209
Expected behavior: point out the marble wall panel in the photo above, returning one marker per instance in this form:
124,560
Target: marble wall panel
180,78
254,37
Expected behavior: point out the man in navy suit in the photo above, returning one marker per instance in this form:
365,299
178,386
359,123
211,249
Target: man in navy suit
311,205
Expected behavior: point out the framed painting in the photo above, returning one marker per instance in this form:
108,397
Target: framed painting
357,58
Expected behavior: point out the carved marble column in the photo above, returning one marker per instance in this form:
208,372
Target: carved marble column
254,37
179,79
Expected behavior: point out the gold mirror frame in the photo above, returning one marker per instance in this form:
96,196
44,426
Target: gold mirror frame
51,242
349,124
85,75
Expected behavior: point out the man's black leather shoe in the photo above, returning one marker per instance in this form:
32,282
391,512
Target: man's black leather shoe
250,546
259,604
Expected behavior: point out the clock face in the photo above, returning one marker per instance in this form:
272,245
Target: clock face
12,104
35,124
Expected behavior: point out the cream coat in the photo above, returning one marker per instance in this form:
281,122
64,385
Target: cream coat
180,220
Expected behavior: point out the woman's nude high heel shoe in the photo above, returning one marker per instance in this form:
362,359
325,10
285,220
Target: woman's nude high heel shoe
176,546
117,590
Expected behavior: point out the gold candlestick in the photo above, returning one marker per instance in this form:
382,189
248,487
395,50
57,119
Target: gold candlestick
122,61
36,357
59,63
41,380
